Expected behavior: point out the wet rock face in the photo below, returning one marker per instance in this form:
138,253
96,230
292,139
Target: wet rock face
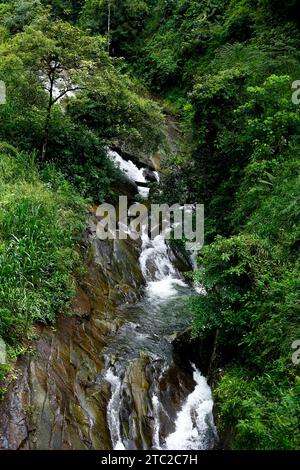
143,379
149,175
174,388
136,425
57,402
117,262
195,349
58,399
180,259
126,186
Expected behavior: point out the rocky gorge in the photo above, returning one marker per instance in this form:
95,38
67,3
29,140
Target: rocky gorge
112,375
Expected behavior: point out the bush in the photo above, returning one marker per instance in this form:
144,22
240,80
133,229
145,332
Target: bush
264,414
39,225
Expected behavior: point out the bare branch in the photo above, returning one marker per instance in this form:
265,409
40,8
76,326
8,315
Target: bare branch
65,92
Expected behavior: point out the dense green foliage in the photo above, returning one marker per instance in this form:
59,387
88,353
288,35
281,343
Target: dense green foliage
125,20
225,67
67,100
108,105
228,68
40,219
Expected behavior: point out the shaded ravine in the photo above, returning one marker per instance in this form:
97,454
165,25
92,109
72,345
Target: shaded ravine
109,377
158,400
58,400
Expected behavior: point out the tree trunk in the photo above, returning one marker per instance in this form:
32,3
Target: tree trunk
213,359
46,135
108,25
47,121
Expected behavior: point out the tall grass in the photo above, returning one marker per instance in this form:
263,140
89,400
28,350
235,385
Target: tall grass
41,218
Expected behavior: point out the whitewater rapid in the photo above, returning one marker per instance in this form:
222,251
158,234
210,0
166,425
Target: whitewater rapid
193,427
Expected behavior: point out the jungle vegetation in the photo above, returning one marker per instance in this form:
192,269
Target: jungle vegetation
225,70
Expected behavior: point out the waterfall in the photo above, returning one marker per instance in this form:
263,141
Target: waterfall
131,171
156,425
113,410
153,318
194,424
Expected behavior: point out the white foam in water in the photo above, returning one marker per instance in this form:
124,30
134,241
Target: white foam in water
161,276
128,167
154,258
165,288
144,192
131,170
156,174
113,412
156,407
194,427
194,423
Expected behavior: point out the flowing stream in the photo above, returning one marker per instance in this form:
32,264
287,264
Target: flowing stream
158,399
116,373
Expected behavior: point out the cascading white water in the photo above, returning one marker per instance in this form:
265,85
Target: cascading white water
156,425
155,255
161,276
113,410
61,84
159,273
194,427
131,170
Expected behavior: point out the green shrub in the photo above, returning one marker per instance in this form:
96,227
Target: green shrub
39,224
264,414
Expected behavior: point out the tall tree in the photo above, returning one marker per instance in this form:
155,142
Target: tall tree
108,24
64,59
120,20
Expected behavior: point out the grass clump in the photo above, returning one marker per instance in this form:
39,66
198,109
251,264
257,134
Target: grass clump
40,221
